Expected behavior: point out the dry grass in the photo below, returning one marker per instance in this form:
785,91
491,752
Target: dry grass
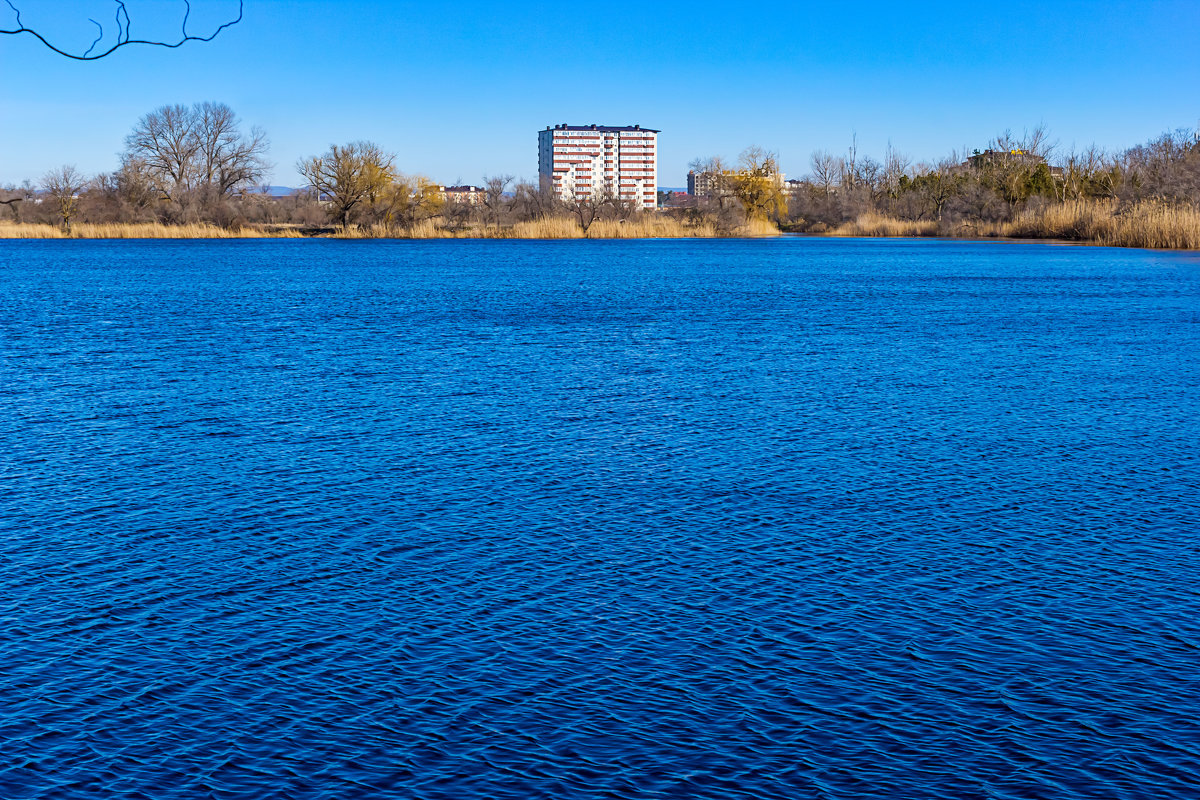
872,224
1149,225
549,228
1156,226
647,226
650,227
141,230
1077,221
644,227
757,227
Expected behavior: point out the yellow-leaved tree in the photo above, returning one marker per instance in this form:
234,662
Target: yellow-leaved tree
758,185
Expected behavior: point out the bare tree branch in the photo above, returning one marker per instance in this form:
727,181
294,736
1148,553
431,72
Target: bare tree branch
123,35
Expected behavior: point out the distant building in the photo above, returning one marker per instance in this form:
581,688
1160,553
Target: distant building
465,195
1009,158
672,198
793,186
704,184
590,161
980,160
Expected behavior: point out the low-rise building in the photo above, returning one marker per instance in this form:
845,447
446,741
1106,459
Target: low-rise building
706,184
1009,158
465,195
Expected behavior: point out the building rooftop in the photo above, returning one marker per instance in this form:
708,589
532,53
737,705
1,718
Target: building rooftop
605,128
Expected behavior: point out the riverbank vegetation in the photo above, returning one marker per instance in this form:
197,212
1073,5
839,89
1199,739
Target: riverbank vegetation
1024,188
643,227
198,172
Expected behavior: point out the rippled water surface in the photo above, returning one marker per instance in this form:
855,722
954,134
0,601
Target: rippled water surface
734,519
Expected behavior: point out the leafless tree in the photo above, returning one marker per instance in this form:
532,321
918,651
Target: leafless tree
536,201
850,163
589,207
713,182
63,186
122,36
1167,167
227,159
826,170
1035,142
940,184
495,198
895,167
165,142
10,198
197,149
347,175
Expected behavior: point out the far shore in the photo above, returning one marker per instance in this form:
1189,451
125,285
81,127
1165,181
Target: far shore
1148,226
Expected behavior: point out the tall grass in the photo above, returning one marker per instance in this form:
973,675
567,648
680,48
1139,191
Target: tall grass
139,230
756,226
1154,225
646,226
872,224
641,227
1147,224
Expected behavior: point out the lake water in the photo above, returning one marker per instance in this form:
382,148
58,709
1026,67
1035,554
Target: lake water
800,518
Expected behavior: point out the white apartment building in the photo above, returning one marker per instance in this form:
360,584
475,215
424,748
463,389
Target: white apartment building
592,161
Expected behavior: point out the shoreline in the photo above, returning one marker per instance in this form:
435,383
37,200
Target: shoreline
154,231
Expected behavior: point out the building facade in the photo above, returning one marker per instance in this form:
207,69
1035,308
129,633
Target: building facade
710,184
593,162
465,195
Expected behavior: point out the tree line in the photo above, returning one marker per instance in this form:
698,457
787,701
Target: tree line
1013,174
201,164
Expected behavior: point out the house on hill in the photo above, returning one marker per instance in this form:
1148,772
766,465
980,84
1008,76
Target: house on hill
1010,158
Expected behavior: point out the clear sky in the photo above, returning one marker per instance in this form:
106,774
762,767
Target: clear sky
459,89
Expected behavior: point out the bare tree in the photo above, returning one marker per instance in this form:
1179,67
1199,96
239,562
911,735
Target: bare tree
1167,167
349,174
10,199
198,149
63,185
826,170
121,37
895,167
165,142
850,163
1036,142
494,195
588,207
940,184
536,201
226,159
712,181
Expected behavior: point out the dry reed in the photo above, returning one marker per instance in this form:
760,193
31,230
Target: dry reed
641,227
1149,225
139,230
645,227
872,224
756,226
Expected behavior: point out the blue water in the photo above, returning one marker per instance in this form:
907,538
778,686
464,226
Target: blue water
737,519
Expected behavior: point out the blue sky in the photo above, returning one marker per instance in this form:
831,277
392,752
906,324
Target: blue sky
458,90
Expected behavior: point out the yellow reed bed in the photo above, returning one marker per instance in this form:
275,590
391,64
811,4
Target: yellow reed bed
139,230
